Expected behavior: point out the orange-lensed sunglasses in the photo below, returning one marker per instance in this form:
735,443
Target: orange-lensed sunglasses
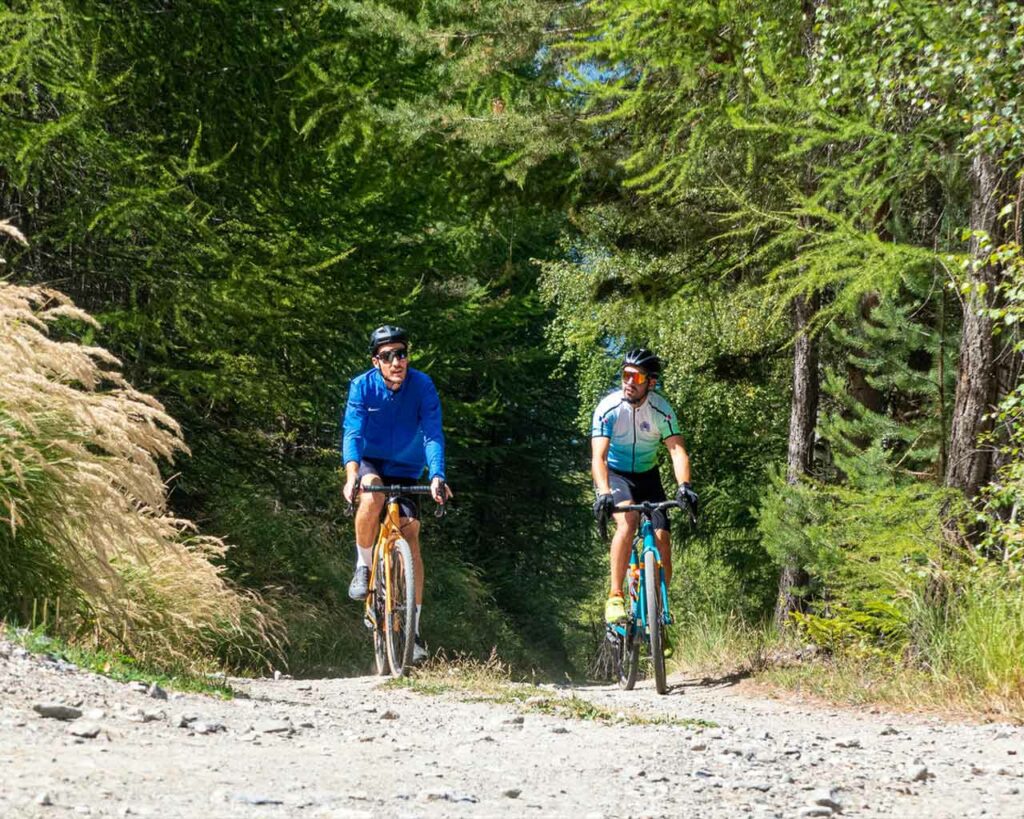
634,377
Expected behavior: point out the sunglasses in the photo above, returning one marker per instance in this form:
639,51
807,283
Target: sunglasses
634,377
391,355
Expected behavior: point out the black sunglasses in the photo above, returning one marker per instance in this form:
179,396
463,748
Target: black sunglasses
390,355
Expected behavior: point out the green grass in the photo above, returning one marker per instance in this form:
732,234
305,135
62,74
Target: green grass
475,681
115,666
951,642
716,643
974,635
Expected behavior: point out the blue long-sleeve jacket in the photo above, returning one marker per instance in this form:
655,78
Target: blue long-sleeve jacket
400,430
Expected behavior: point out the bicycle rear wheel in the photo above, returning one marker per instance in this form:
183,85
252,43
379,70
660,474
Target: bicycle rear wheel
627,656
400,614
378,601
654,624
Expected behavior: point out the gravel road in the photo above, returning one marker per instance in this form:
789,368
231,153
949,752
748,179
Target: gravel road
73,743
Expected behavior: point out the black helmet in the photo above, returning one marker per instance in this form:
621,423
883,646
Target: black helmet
644,359
387,334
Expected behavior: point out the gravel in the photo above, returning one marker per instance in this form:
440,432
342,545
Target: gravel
347,747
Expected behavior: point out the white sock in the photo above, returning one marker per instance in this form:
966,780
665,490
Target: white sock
419,608
364,554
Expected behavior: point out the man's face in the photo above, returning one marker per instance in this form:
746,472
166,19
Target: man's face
635,384
393,361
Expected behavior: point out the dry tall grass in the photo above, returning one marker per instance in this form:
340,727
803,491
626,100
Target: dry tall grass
83,507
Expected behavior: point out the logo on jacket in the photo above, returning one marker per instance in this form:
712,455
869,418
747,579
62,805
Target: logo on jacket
645,426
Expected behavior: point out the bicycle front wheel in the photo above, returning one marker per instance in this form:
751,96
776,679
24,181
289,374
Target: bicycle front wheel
379,602
653,594
400,615
627,658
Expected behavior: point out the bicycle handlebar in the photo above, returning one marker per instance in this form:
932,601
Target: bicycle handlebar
646,508
649,507
399,489
396,489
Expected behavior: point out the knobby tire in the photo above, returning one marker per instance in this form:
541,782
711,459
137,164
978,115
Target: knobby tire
628,659
653,593
380,650
400,616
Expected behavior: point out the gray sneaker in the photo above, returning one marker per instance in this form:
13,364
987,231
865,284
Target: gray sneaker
419,651
360,583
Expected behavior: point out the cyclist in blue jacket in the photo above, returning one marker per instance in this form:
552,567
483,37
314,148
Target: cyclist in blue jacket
392,431
628,426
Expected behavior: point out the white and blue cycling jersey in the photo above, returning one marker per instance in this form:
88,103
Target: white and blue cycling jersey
635,432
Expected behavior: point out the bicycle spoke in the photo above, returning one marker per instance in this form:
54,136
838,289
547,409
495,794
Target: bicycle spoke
401,607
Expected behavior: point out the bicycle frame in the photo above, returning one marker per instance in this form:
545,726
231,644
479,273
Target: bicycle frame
649,614
390,610
637,587
390,531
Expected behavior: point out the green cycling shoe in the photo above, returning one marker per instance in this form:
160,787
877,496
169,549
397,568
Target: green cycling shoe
615,610
667,649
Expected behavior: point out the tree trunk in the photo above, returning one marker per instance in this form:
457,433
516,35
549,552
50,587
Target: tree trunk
803,417
968,467
803,412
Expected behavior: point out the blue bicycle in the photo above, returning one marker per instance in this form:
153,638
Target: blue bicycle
648,615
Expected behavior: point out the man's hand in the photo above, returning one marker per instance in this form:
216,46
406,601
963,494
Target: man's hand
603,506
687,497
440,490
350,488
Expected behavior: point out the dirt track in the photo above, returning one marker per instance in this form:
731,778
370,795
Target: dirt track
347,748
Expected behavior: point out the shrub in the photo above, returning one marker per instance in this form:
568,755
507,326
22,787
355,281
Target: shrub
83,517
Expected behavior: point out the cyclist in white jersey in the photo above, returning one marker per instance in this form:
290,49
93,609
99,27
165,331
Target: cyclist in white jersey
628,426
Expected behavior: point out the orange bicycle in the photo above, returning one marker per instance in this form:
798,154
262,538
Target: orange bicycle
391,597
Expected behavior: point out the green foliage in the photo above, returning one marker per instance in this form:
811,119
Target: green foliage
85,521
857,537
877,626
241,192
969,626
115,665
1001,499
904,362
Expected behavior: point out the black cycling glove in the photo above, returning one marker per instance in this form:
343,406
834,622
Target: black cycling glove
603,506
687,497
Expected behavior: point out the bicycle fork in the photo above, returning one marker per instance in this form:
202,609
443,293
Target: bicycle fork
662,586
370,613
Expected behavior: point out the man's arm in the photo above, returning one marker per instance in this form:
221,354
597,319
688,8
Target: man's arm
599,464
352,438
433,434
680,460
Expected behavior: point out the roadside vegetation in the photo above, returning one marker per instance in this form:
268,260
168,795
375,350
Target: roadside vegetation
811,210
473,680
117,666
86,535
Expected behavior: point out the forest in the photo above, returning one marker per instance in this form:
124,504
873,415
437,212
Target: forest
810,210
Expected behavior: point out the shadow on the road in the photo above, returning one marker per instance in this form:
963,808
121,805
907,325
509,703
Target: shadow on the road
723,681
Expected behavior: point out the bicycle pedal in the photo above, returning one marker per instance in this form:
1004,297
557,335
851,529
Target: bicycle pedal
614,633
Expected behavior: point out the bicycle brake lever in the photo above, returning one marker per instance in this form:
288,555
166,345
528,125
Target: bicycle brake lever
350,506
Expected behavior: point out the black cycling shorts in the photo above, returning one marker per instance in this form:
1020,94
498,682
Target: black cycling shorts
407,505
637,487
